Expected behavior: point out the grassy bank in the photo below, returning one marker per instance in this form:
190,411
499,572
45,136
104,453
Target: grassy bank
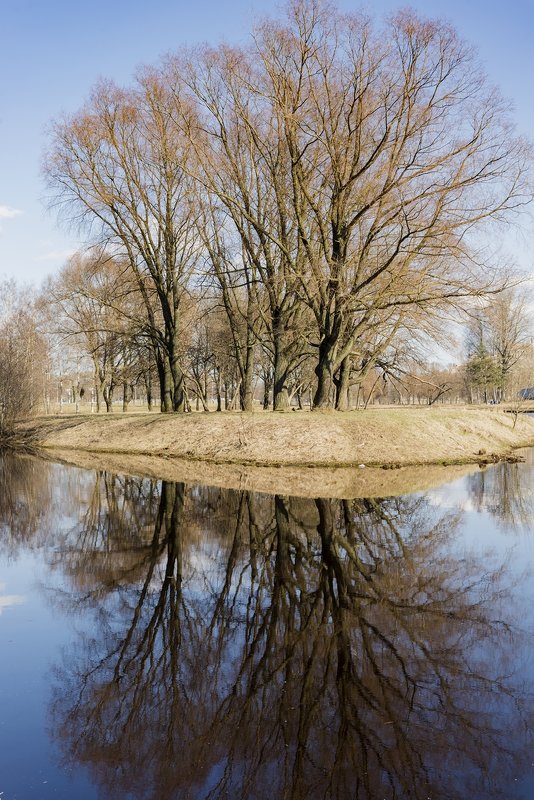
393,436
274,452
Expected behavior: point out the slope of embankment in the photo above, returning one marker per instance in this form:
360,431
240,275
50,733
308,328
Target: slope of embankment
300,452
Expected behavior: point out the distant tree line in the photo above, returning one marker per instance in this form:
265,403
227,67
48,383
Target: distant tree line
74,346
23,356
97,351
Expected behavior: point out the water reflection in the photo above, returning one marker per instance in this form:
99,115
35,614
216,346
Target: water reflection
506,491
9,600
25,501
247,646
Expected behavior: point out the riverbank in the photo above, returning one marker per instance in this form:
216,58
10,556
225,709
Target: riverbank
313,454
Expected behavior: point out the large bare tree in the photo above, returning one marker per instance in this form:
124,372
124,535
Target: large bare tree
368,160
118,167
243,167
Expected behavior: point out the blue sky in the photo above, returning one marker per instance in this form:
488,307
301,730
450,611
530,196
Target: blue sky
53,51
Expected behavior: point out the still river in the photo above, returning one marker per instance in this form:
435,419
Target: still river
162,641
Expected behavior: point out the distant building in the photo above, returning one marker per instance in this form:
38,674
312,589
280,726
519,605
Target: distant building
526,394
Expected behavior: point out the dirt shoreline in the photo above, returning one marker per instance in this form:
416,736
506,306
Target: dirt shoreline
294,453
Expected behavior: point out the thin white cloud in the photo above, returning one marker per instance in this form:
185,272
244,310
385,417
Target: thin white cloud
6,212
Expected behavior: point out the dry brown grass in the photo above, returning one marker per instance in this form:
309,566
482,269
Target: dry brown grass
373,437
233,449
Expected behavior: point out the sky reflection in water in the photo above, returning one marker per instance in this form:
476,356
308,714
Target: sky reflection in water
191,642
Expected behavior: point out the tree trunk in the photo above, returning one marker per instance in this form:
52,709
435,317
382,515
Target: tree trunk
280,395
96,384
163,367
179,396
218,388
107,393
200,396
325,386
324,393
342,382
126,395
173,396
206,389
246,390
236,394
281,372
267,388
166,387
178,388
147,379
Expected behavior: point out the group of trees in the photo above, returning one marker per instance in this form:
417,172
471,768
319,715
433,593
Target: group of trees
24,357
83,340
103,352
298,212
499,338
498,363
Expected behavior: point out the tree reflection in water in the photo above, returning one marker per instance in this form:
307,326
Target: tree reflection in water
246,646
506,492
25,502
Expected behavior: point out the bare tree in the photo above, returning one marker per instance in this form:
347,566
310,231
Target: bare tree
509,332
94,305
359,166
243,166
23,357
118,168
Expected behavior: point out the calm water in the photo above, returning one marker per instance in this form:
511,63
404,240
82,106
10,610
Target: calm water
162,640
